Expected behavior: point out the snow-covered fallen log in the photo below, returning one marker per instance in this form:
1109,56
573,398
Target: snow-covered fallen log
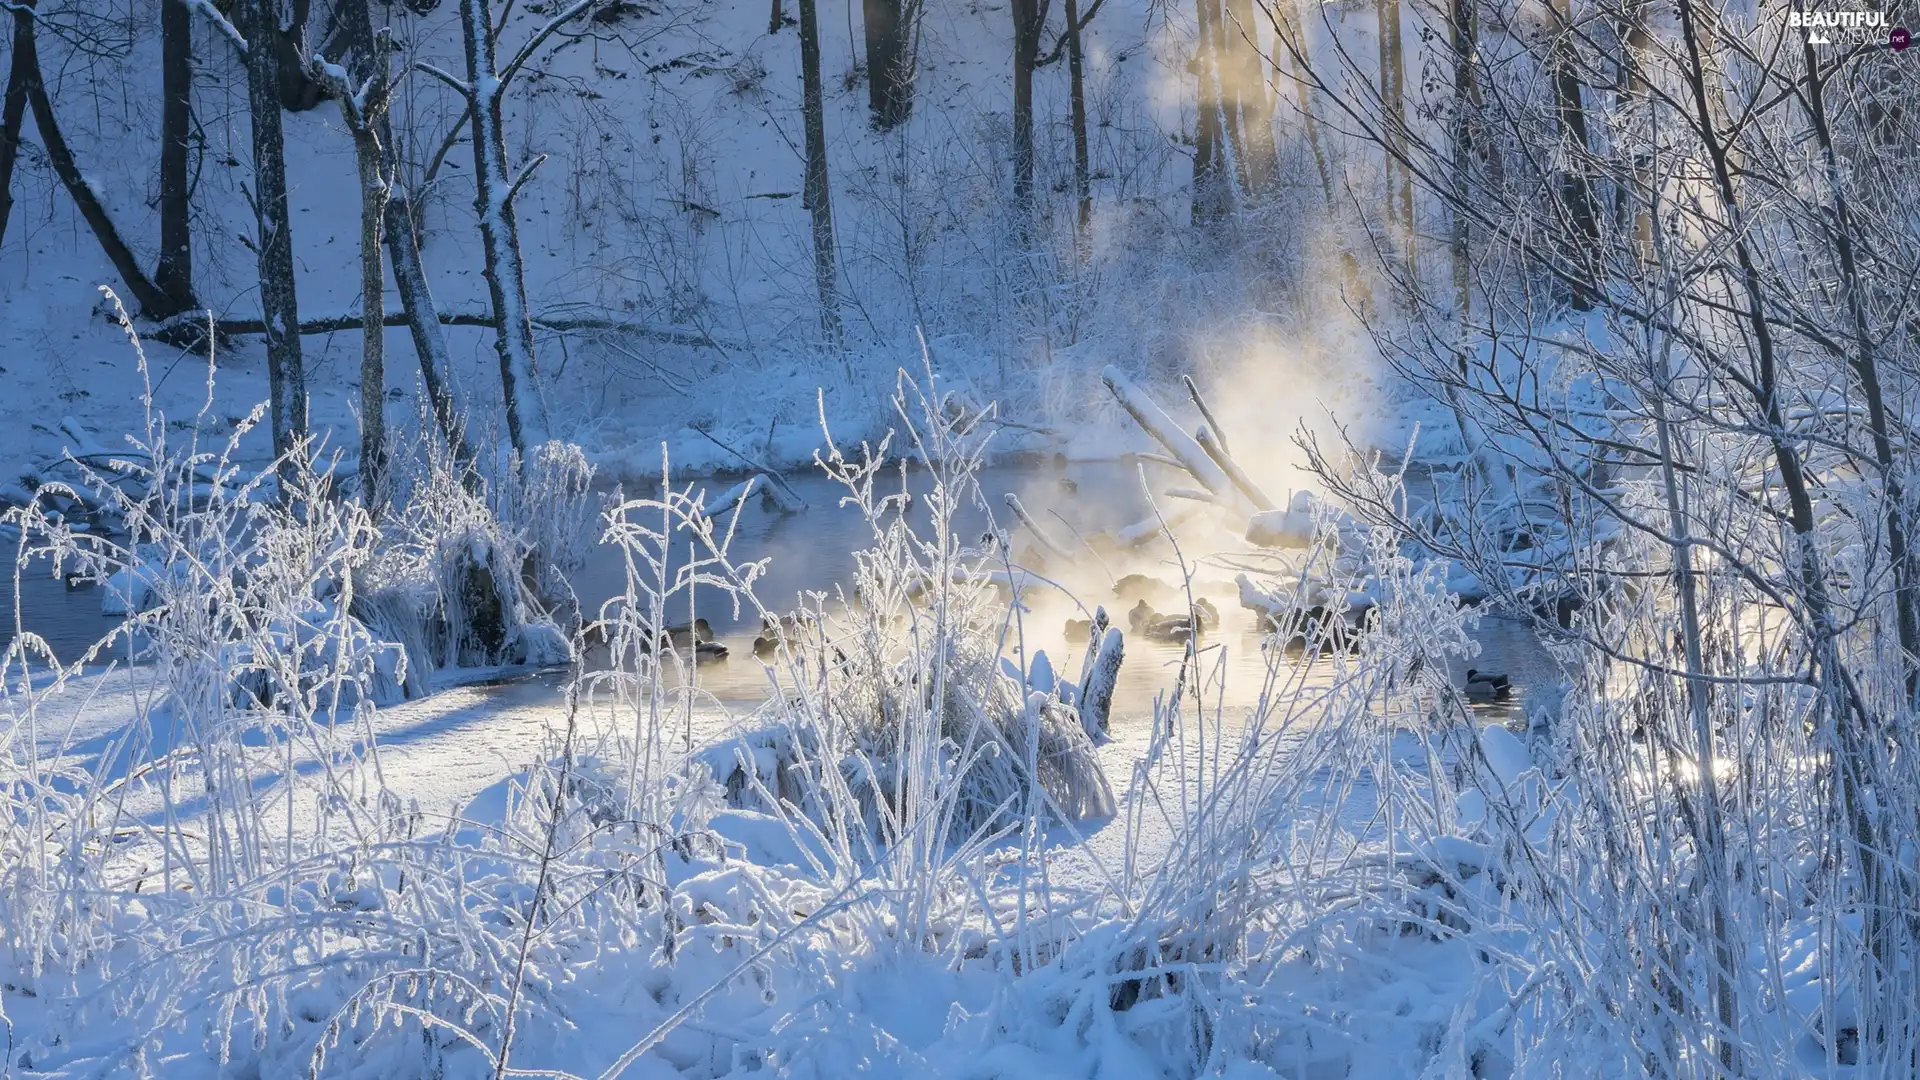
1168,434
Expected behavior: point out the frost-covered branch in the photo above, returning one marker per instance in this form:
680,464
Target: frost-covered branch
220,23
539,38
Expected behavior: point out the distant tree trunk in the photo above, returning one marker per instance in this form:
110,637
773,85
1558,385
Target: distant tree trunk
1393,99
153,303
889,33
1029,20
500,233
13,111
279,306
1466,100
423,320
363,105
1251,107
174,275
1211,186
1077,97
817,192
1576,187
776,20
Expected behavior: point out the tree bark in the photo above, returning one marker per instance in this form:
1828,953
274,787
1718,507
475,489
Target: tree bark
889,37
279,305
365,113
1393,107
423,319
174,274
1211,190
1251,106
1029,20
817,192
1077,99
1576,187
13,111
500,233
1465,35
153,303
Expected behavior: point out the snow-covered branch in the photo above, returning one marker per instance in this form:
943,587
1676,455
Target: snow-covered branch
220,23
459,85
574,11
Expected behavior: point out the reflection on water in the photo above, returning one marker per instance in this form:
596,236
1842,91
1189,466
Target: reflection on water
69,619
814,551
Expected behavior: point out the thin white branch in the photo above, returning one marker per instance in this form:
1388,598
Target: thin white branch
444,76
525,174
574,11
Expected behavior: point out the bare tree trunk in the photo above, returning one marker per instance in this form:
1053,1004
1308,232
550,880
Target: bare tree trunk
1252,106
1077,99
500,233
13,111
1576,187
1867,369
889,34
776,19
1029,20
1393,102
423,320
153,303
174,274
363,106
1466,101
1211,189
279,306
817,192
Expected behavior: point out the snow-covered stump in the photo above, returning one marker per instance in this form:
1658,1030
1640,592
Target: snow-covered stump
1098,680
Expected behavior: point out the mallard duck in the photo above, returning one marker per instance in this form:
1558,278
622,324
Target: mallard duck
706,652
772,631
1154,626
682,636
1487,686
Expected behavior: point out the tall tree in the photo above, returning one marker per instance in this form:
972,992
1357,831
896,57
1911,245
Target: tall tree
1249,105
495,186
1393,108
13,110
1212,183
816,191
1581,207
279,302
1029,21
1077,112
26,61
1463,35
174,275
363,98
889,26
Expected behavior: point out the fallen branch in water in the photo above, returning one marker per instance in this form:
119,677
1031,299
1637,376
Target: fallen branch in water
778,489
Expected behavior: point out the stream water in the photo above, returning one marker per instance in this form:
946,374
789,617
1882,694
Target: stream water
814,550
